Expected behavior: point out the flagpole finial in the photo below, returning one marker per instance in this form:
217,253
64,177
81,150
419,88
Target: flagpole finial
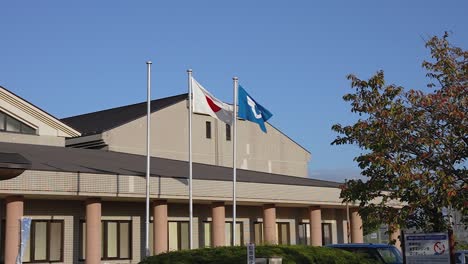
149,62
189,70
235,78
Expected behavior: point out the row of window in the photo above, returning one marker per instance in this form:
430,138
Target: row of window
11,124
47,238
208,130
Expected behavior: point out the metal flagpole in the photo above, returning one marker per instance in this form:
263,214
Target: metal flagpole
190,98
148,123
234,163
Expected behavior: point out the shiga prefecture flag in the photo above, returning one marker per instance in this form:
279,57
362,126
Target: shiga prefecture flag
205,103
250,110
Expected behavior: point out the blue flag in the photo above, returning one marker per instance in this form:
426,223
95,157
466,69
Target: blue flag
252,111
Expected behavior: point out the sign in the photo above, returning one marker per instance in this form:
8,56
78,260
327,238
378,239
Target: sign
250,253
427,248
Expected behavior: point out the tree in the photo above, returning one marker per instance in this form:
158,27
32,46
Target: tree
414,144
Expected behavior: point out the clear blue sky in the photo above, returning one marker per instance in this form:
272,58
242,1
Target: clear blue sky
73,57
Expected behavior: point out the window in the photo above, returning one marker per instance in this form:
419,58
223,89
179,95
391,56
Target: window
304,234
208,129
258,233
2,241
228,132
11,124
282,233
207,229
326,234
178,235
45,242
239,234
116,239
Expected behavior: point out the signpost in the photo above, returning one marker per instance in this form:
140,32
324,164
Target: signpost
427,248
250,253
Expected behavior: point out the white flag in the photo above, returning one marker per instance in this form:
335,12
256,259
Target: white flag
205,103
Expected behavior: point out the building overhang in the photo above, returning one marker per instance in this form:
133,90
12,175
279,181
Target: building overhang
12,165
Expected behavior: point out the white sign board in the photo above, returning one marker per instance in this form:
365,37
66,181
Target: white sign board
427,248
250,253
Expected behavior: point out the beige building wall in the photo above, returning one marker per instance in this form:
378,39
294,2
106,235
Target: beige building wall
272,152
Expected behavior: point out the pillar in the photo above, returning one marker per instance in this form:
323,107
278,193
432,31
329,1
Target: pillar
356,227
14,212
269,224
394,236
219,224
315,218
160,226
93,231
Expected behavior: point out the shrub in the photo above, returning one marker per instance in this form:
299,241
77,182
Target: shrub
238,255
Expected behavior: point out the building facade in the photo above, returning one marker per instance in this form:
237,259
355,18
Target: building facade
81,181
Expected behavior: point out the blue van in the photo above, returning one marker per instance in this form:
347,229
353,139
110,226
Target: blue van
381,253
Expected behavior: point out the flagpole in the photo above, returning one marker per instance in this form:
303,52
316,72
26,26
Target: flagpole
190,98
234,163
148,123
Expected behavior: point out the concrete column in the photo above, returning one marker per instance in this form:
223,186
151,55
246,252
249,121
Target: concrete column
93,231
394,236
269,224
218,214
356,227
160,226
315,218
14,212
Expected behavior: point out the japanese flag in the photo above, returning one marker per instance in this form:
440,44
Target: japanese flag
205,103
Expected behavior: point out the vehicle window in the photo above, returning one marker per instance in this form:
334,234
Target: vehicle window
390,255
367,252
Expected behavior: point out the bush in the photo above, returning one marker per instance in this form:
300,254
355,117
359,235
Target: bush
238,255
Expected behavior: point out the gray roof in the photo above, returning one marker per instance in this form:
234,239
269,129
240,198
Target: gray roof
100,121
51,158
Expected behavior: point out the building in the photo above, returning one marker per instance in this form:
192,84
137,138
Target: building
81,180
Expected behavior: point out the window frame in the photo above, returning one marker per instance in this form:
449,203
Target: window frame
104,241
228,132
22,125
279,232
179,233
306,227
241,240
261,238
48,234
208,129
329,227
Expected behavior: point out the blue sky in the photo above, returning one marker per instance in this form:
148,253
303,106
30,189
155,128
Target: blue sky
72,57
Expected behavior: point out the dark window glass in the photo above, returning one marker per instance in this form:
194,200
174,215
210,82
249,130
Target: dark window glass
45,242
326,234
304,234
27,129
11,124
228,132
2,121
2,240
208,129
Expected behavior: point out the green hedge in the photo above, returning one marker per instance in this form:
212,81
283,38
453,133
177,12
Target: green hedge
238,255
